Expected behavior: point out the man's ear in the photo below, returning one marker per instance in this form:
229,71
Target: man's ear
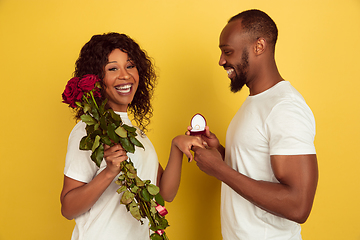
260,46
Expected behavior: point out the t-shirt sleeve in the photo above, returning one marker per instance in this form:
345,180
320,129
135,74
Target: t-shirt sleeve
291,129
78,164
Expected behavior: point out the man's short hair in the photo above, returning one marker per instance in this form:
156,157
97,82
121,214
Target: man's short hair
258,24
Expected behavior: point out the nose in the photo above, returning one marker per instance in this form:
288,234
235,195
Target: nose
222,60
124,75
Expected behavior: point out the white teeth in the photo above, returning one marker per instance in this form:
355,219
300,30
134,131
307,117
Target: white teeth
230,71
123,88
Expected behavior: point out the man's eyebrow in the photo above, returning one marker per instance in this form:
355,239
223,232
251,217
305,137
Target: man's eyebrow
223,45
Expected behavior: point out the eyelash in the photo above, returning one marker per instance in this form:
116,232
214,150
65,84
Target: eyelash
131,66
128,67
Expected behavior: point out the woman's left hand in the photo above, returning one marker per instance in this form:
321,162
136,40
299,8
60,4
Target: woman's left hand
184,143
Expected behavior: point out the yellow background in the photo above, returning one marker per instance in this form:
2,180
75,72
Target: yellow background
317,51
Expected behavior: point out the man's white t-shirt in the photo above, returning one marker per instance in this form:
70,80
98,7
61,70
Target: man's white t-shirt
274,122
108,219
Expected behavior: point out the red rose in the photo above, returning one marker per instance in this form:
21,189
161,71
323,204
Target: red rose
97,93
87,83
72,93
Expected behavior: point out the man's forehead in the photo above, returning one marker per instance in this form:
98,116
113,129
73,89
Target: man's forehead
233,31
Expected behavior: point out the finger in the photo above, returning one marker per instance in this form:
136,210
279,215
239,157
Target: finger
199,143
195,148
188,131
188,155
207,131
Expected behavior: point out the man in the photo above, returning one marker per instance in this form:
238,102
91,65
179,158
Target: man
268,167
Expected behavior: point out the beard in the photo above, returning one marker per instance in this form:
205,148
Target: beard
240,79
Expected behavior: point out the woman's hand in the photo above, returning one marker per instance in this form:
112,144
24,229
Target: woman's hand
209,138
185,143
114,156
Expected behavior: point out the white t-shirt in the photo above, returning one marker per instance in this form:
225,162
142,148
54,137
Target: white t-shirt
274,122
108,219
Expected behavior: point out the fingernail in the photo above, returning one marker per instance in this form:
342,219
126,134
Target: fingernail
189,159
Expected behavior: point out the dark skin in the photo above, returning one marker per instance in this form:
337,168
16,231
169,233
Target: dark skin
293,196
78,197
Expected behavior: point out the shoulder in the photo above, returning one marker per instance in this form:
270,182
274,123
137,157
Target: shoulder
285,100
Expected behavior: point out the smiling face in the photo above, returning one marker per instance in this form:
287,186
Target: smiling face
234,46
121,80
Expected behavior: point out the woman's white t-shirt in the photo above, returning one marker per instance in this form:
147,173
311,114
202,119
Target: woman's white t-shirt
108,219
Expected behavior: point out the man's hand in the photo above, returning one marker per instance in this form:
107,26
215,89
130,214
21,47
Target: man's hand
209,160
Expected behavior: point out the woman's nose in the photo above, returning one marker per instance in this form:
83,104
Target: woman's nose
124,75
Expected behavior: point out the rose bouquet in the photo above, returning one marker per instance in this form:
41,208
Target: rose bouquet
103,126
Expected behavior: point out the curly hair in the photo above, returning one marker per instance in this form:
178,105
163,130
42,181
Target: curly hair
258,24
93,58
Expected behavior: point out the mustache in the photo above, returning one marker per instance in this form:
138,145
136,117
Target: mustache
228,66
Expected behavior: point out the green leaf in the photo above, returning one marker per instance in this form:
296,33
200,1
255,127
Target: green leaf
114,115
136,142
134,189
98,85
98,155
88,119
145,194
153,210
94,110
103,122
156,236
139,182
86,107
102,106
121,132
121,189
86,143
78,104
163,223
96,143
130,167
89,129
131,175
134,210
127,197
153,190
159,199
105,139
128,128
111,133
121,177
127,145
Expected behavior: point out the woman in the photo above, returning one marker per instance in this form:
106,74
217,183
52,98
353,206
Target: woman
89,193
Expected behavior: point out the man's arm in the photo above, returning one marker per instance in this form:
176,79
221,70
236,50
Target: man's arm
291,198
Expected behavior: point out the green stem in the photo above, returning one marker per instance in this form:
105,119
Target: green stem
147,212
92,96
165,237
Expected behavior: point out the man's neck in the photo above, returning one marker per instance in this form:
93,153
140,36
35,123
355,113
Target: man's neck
267,77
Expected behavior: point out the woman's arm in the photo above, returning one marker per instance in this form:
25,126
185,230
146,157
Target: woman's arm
169,179
78,197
